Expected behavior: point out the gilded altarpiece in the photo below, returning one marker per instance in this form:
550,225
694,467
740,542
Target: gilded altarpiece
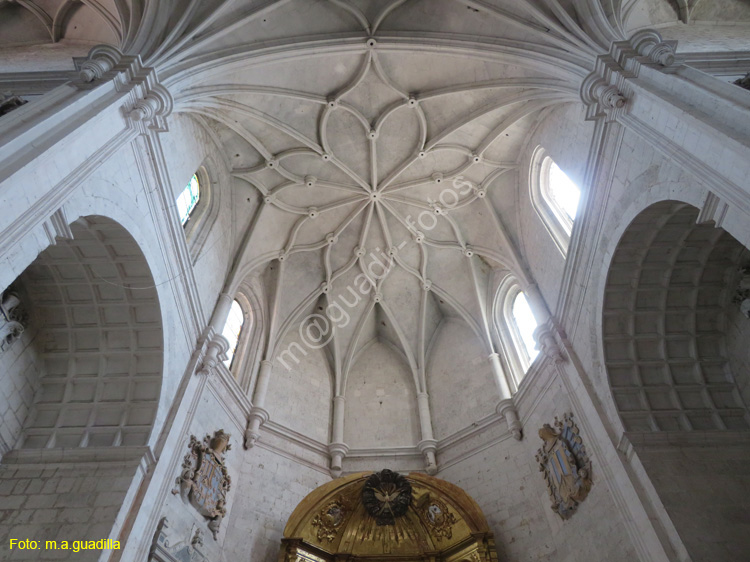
386,516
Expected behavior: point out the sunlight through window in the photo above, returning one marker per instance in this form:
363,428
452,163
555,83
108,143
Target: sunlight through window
232,330
188,199
526,324
563,191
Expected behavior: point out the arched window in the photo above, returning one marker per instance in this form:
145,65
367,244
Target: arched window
515,324
198,204
232,330
188,199
554,197
525,324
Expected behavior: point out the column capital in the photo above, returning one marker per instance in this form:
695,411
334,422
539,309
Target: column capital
216,347
544,335
605,91
338,449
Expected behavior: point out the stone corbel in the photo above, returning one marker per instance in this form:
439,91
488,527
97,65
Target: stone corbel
153,108
101,60
428,448
605,91
507,409
602,94
648,43
338,452
258,416
216,350
544,336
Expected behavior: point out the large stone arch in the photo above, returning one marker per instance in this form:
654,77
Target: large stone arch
668,291
84,381
667,347
93,306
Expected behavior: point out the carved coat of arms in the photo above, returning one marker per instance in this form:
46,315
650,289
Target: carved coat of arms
204,481
565,464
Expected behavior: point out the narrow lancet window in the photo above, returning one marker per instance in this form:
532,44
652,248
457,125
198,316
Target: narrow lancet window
188,199
232,330
563,192
525,324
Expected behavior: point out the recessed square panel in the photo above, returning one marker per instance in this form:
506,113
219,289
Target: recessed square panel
668,422
114,390
116,314
74,417
692,399
648,323
652,375
680,348
649,349
702,421
82,391
628,401
660,399
109,415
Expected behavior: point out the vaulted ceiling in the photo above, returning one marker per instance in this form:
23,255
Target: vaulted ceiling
372,130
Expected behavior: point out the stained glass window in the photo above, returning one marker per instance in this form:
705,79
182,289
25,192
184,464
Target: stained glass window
563,191
188,199
232,330
526,324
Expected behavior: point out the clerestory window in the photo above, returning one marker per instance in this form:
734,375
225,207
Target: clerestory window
555,198
188,199
524,324
232,330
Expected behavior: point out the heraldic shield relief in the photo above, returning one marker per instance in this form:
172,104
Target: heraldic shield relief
565,464
204,481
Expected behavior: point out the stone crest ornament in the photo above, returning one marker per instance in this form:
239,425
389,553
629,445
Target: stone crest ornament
330,519
386,496
204,481
11,318
565,464
436,516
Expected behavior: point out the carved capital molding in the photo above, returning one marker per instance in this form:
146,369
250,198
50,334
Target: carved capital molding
149,103
507,409
338,452
153,108
605,91
648,43
216,348
428,448
257,417
101,60
544,336
602,92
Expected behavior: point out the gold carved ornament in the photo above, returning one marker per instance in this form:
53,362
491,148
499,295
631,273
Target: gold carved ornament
331,518
436,516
